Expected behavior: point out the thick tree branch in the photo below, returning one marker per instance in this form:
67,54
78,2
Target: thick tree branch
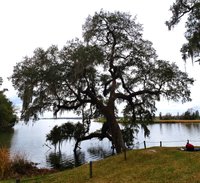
106,90
134,94
94,100
90,136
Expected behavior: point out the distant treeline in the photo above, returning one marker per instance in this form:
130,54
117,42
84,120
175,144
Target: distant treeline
188,115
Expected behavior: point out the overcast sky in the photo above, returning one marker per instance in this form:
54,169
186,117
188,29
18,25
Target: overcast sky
28,24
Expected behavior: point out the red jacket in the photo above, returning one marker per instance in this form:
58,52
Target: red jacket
189,147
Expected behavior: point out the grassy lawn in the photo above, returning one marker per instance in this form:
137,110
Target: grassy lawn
147,165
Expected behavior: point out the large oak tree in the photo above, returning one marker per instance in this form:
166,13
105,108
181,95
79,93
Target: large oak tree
113,65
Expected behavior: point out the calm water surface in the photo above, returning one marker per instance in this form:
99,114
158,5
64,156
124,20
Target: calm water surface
30,139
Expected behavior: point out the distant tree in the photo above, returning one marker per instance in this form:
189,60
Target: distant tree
187,115
1,81
177,116
196,114
7,111
191,8
160,115
190,115
167,116
113,65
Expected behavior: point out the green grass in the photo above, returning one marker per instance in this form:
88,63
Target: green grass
147,165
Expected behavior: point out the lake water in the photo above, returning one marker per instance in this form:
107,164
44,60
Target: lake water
30,139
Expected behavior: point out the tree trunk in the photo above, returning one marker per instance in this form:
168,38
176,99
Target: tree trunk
116,133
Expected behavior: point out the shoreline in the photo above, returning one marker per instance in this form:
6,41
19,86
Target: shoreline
177,121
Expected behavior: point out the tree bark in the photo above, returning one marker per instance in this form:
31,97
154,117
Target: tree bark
115,131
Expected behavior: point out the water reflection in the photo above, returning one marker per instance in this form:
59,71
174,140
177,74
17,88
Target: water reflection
99,152
192,127
61,161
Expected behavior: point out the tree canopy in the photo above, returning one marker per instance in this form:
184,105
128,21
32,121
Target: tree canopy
190,8
7,111
113,64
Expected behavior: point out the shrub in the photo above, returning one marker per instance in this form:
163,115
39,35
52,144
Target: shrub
20,165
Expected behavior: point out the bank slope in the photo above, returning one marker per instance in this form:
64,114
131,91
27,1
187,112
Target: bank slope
146,165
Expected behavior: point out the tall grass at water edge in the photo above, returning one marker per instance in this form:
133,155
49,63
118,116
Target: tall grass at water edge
4,162
17,166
